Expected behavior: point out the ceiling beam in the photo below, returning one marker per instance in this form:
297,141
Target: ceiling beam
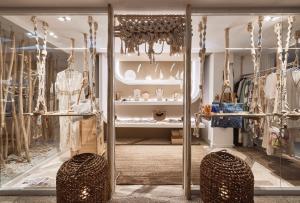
245,10
53,10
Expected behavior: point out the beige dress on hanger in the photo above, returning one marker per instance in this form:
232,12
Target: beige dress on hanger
293,98
68,84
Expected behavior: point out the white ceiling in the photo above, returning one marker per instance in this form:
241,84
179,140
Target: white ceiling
66,30
150,4
239,37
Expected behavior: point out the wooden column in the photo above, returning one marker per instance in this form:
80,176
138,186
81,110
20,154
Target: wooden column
187,107
110,98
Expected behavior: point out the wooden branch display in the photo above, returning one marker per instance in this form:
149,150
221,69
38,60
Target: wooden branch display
14,109
30,96
11,63
2,122
135,30
6,89
21,106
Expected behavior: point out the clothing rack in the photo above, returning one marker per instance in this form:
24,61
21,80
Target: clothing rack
250,115
266,71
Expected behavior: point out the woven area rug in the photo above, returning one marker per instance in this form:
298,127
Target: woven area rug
155,164
136,200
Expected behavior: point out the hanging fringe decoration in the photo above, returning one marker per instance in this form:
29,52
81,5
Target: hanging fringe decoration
41,56
256,106
281,103
135,30
93,28
202,52
297,38
85,82
226,82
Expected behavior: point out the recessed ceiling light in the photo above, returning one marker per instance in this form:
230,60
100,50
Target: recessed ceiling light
271,18
51,33
64,18
55,36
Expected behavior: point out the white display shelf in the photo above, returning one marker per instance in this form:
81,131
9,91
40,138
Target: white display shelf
150,82
152,124
149,102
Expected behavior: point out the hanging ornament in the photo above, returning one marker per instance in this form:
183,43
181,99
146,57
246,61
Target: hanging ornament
135,30
41,56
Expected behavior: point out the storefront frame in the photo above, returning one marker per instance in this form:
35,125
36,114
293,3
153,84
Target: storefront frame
190,11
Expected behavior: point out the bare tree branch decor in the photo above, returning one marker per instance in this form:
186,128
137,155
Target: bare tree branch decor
135,30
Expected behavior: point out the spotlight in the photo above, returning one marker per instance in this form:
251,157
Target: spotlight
64,18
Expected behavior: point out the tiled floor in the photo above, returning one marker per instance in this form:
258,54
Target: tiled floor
47,199
146,194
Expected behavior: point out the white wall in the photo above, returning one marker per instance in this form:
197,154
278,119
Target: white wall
213,80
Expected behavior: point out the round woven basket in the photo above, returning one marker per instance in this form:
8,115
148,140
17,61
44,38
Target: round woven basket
225,178
84,178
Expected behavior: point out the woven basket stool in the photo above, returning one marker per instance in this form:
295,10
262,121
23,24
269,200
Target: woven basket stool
84,179
225,178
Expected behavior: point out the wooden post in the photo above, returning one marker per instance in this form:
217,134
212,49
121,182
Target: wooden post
14,108
21,106
187,107
2,125
30,96
110,98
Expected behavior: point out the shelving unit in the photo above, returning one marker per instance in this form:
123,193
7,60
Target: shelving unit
152,124
149,102
138,113
150,82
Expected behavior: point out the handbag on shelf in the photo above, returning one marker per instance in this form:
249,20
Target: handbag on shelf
227,107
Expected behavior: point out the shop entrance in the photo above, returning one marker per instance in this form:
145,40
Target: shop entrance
147,92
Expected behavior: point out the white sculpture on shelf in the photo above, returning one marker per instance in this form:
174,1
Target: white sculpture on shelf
130,75
136,94
159,94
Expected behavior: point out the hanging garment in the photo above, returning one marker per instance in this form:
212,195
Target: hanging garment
68,84
293,94
270,86
270,94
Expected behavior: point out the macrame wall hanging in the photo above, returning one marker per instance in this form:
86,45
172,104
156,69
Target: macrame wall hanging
135,30
41,56
256,106
202,52
281,103
93,28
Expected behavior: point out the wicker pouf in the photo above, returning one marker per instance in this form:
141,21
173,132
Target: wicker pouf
84,178
225,178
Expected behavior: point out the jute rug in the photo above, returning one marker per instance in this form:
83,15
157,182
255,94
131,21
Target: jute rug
155,164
